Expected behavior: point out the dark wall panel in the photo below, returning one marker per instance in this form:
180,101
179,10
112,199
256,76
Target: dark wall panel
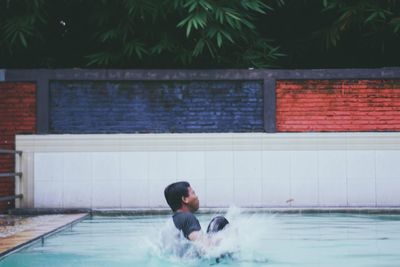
156,107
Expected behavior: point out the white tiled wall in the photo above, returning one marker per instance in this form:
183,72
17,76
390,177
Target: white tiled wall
221,177
191,165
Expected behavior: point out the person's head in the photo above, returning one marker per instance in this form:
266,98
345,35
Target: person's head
180,195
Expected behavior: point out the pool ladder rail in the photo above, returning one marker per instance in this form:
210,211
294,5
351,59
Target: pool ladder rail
17,175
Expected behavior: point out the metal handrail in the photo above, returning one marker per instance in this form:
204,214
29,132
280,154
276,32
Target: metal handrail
7,151
13,174
7,198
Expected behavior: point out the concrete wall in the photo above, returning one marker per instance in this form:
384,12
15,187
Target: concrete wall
249,170
353,100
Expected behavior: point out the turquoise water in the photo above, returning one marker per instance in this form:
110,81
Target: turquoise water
257,240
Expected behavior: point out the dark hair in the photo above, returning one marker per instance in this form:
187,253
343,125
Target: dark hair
174,192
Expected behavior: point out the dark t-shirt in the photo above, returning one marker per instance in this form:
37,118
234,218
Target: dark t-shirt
186,222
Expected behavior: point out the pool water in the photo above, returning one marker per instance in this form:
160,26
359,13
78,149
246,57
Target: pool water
258,240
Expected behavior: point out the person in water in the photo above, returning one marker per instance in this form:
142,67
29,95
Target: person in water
183,201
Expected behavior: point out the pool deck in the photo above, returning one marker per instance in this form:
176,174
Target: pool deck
34,232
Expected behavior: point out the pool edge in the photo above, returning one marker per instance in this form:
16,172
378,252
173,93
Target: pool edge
210,210
29,242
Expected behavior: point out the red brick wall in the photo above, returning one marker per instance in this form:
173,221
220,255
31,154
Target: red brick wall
17,116
338,105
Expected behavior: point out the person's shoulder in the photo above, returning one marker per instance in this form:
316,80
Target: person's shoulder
184,215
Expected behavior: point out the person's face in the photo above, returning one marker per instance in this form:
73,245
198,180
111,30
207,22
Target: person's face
192,201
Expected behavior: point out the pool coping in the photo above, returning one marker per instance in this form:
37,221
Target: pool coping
208,210
30,240
122,212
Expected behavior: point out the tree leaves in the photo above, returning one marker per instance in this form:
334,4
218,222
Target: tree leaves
375,16
395,23
218,24
136,48
261,54
16,31
130,31
195,21
101,59
186,33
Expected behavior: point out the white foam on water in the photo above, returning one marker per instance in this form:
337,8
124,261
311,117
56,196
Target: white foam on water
243,240
247,234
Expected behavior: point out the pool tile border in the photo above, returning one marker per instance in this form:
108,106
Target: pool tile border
303,210
208,210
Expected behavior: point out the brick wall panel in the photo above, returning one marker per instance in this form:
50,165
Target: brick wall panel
156,106
17,116
338,105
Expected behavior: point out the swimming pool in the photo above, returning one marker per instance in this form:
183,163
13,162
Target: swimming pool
261,240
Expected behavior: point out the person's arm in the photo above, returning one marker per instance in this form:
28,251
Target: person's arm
195,235
203,240
190,226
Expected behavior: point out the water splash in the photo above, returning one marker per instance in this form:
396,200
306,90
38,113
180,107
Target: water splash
243,240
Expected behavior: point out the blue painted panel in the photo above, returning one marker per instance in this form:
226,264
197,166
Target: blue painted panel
156,107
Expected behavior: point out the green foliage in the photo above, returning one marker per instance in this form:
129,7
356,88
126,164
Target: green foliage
20,29
194,33
261,53
203,28
371,16
121,33
215,24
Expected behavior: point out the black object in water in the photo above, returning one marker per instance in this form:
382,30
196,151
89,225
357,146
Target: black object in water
217,224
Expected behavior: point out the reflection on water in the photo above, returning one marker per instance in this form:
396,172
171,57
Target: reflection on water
251,240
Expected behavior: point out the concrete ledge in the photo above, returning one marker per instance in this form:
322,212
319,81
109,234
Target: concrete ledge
47,211
20,240
144,211
360,210
165,211
208,142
